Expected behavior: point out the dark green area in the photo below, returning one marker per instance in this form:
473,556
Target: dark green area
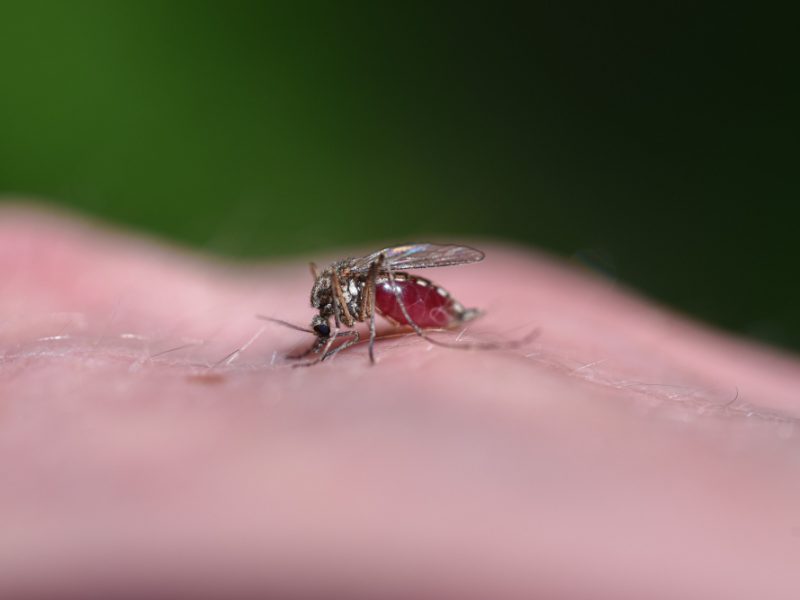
660,138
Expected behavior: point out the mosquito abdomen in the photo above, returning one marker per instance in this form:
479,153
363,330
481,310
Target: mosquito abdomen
428,305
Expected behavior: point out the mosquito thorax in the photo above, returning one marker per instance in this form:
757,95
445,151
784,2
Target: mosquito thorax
351,289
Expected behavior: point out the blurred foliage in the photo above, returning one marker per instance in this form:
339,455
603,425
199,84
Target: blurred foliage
660,137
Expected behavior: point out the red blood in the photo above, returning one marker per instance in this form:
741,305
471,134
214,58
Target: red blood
425,305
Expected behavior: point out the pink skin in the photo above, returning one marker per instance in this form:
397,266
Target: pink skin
612,458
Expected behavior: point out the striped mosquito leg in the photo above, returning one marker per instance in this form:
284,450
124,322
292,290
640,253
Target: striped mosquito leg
339,301
328,353
372,277
355,337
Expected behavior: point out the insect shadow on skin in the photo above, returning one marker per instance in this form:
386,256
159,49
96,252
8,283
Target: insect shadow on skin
353,290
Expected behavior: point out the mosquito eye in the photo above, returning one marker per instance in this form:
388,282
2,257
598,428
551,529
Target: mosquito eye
322,329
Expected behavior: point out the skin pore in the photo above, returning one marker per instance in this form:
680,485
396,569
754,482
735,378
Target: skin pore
155,439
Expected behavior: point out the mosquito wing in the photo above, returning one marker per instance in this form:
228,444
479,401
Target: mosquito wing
420,256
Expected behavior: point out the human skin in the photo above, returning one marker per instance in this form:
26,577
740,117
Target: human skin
627,452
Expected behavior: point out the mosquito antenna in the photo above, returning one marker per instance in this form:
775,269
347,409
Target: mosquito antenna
285,324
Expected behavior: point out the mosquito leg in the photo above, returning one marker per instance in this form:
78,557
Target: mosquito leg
461,346
318,344
326,348
372,277
417,329
310,350
354,338
322,349
338,299
327,353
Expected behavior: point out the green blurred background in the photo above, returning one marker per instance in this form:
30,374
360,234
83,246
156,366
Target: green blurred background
654,141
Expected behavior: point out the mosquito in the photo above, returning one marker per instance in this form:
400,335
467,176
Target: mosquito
354,290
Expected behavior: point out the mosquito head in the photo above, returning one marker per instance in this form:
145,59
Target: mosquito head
320,326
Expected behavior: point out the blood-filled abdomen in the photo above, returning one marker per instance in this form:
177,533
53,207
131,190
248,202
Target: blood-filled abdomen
428,305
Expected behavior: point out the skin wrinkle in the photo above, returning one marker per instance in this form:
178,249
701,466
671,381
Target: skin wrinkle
555,461
698,401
